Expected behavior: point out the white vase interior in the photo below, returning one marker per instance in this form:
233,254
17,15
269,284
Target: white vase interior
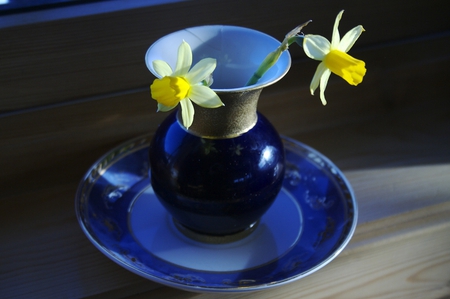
239,51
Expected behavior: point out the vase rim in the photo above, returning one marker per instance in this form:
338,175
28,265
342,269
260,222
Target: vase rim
255,46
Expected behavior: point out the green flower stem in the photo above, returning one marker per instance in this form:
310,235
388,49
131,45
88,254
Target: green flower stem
267,63
272,57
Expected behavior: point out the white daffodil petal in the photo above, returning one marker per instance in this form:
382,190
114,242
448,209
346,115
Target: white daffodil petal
350,38
184,60
316,46
321,68
205,97
162,68
335,38
323,85
164,108
201,71
187,112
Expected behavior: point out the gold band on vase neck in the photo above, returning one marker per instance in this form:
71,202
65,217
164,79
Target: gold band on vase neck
237,117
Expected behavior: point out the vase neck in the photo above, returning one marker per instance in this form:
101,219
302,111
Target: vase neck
237,117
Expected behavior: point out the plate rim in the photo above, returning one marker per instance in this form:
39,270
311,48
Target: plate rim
127,147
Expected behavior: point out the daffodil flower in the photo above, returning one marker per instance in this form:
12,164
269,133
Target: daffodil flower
334,57
185,85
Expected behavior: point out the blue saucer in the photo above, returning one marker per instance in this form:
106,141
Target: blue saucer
310,223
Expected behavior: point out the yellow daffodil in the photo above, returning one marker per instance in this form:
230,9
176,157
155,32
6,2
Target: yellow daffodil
334,57
185,84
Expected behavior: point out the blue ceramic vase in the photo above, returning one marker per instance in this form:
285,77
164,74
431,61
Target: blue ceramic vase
219,177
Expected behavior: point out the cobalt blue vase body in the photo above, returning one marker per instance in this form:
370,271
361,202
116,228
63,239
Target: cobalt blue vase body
216,186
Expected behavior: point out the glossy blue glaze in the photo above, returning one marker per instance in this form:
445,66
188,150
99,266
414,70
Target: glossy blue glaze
216,186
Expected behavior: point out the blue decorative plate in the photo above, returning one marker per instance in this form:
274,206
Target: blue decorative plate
310,223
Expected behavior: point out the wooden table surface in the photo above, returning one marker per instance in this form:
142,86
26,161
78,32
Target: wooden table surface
390,136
